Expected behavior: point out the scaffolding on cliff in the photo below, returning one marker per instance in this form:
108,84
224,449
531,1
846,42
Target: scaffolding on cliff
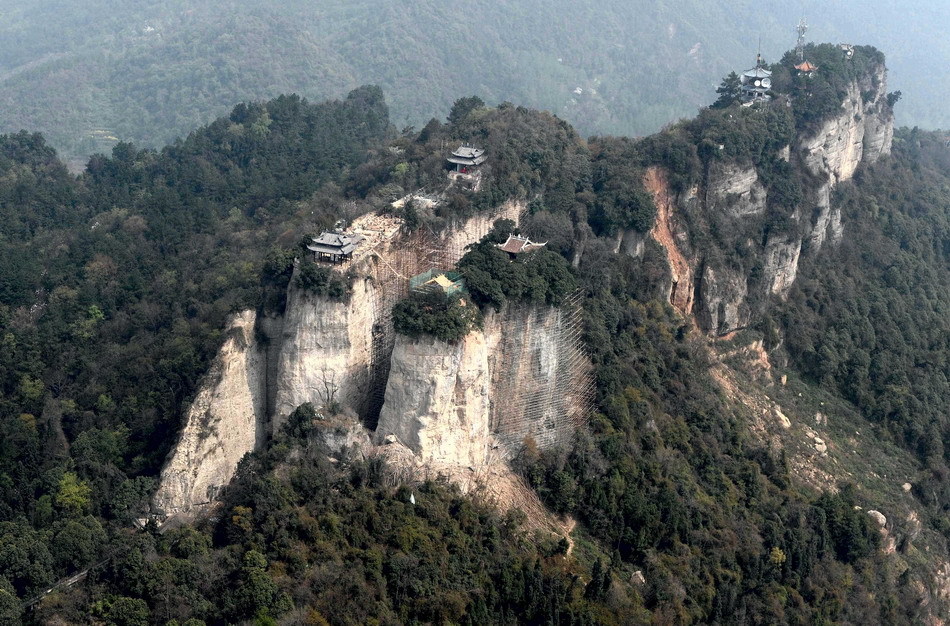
405,256
396,258
531,400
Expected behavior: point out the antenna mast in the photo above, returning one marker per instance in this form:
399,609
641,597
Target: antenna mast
802,29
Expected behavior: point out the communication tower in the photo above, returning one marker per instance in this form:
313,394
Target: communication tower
800,47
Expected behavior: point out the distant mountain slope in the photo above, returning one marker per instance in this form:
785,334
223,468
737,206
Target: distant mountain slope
90,73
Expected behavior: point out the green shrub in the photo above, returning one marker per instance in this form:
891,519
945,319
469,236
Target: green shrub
539,277
431,312
320,280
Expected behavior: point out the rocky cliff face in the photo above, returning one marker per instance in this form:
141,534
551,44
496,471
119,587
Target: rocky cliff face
719,293
437,399
225,421
342,349
521,376
540,375
322,351
735,189
325,350
863,132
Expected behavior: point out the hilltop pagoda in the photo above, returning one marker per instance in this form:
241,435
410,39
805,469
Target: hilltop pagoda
756,83
806,68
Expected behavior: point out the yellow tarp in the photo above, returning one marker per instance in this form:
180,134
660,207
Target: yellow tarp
442,280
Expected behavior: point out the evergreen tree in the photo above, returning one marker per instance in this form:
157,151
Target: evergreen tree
730,91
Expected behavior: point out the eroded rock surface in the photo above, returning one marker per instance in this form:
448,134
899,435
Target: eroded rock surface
437,399
519,377
735,189
711,286
326,349
225,421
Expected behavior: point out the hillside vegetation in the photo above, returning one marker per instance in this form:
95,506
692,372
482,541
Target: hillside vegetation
116,285
89,73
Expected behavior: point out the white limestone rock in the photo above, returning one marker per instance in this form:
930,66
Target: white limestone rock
437,399
878,517
224,422
630,242
326,350
862,132
735,189
781,265
722,296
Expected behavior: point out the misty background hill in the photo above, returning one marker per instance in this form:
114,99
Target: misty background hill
92,72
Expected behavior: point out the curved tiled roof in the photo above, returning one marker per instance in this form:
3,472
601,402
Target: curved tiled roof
468,155
517,245
335,243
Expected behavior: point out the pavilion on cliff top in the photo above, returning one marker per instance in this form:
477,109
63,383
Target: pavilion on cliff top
467,158
334,247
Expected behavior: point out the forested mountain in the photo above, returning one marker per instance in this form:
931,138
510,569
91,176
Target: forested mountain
90,73
115,288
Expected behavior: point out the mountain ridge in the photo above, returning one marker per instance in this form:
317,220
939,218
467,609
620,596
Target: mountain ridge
171,67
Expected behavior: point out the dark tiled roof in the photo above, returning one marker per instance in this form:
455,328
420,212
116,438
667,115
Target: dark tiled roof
468,152
468,155
517,245
335,243
756,72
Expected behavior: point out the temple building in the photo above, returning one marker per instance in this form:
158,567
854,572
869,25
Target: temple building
466,159
334,247
756,83
519,245
806,68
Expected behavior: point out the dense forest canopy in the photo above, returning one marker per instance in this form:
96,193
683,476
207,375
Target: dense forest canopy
115,287
89,73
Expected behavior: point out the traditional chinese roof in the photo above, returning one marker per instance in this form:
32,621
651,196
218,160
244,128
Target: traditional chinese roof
756,72
335,243
468,155
517,245
805,66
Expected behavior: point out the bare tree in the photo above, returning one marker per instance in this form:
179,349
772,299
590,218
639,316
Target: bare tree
330,389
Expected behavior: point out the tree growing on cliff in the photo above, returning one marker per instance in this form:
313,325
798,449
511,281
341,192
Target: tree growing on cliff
539,277
320,280
432,312
729,90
